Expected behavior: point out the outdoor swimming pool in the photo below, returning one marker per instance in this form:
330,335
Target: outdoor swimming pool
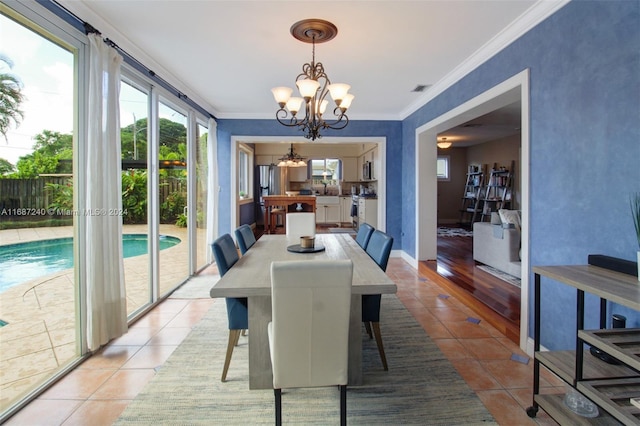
25,261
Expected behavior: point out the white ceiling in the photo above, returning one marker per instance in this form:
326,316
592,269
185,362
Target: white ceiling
227,55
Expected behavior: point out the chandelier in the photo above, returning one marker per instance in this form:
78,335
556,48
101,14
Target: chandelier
291,159
313,85
443,143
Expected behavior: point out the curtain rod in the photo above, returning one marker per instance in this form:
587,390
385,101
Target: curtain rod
68,16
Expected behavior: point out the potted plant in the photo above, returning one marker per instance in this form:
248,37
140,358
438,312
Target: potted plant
242,195
635,213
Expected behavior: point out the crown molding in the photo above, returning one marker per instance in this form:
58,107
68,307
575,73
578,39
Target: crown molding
537,13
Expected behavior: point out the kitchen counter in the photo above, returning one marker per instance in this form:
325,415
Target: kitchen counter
307,202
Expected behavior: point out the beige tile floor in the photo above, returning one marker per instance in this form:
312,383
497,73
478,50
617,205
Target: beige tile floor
40,337
98,391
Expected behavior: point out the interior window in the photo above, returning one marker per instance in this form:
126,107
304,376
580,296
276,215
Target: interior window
443,167
245,176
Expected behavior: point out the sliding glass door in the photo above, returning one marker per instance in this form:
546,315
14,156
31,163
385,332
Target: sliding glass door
134,122
201,193
172,198
38,288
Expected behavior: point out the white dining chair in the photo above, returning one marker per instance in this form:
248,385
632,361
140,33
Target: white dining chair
300,224
309,331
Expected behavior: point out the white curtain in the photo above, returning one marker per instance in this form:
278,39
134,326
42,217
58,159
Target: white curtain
105,296
213,190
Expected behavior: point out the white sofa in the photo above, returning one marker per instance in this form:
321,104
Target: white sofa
497,244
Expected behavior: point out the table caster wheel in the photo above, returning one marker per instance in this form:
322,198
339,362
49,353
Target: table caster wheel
532,411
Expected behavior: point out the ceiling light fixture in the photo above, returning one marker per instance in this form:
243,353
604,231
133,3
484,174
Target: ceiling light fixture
443,143
291,159
313,85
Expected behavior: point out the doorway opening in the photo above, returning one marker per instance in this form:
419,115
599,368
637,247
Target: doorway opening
515,89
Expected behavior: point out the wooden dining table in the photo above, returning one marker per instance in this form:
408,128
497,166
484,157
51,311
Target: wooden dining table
251,277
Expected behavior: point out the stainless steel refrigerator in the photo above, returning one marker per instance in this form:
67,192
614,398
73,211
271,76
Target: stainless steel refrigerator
270,180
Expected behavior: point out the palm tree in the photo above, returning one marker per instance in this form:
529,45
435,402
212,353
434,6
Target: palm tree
10,97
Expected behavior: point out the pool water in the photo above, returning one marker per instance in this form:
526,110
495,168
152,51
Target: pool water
25,261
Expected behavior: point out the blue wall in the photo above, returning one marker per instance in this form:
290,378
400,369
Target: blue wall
584,64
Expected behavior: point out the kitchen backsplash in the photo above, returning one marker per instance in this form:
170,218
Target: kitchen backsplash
371,187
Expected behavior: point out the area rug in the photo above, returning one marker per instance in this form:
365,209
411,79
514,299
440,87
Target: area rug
421,386
444,231
196,287
501,275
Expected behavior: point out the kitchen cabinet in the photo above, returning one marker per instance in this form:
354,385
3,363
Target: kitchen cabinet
345,209
297,174
375,161
373,158
328,209
350,169
607,385
368,211
265,160
328,213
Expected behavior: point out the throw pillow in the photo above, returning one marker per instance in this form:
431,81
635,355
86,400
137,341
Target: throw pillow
510,216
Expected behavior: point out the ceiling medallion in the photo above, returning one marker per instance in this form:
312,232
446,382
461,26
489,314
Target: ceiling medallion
313,85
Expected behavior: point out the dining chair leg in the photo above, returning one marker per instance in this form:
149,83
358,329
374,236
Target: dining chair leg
278,399
367,326
343,405
376,332
234,335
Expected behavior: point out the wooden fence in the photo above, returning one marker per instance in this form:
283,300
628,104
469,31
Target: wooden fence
27,193
32,193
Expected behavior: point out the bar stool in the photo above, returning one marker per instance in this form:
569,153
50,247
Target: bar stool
273,220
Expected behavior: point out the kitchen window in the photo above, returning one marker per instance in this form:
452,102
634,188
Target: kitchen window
328,170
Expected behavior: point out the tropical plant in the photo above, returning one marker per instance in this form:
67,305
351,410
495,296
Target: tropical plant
172,206
11,97
181,222
635,213
61,195
6,168
134,196
49,148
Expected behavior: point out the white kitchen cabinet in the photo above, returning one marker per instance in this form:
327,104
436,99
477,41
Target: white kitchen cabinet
368,211
327,209
297,174
350,169
375,160
264,160
345,209
328,213
332,213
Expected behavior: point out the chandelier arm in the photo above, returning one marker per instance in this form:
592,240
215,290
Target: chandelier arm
338,124
281,116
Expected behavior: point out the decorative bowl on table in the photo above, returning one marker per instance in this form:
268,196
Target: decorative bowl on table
292,193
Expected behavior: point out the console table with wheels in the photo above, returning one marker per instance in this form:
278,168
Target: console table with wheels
610,386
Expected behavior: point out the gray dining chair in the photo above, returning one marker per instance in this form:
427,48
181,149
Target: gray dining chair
309,331
226,255
245,238
379,249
